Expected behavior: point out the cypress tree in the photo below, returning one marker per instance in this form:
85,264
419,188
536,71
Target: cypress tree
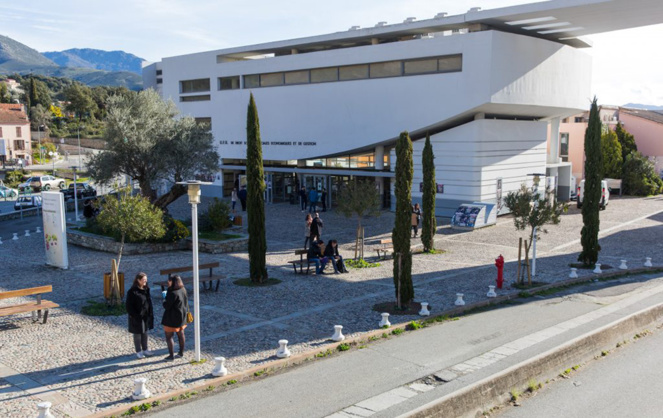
589,236
429,224
255,199
401,233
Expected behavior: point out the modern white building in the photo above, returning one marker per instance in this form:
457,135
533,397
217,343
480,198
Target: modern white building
486,85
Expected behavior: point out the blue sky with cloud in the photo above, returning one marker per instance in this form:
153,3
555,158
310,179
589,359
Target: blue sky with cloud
626,69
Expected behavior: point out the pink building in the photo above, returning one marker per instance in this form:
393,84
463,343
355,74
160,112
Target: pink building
647,128
14,133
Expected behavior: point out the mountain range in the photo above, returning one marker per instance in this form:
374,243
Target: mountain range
642,106
89,66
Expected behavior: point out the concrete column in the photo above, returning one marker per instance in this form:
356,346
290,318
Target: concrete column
379,157
553,153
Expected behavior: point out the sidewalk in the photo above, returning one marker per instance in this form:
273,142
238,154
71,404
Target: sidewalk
394,377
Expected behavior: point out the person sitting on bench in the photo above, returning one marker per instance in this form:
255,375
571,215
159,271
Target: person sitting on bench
315,255
332,255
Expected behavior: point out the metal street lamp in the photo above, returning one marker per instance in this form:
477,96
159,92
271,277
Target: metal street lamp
193,190
75,194
53,155
80,164
535,188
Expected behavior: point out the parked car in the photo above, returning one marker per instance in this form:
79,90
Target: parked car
25,202
26,187
47,183
82,190
605,194
7,192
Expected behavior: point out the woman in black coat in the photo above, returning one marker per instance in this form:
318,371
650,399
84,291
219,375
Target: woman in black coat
140,313
332,255
176,307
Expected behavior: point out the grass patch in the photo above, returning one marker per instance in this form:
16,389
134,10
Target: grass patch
209,388
260,373
413,326
533,386
217,236
94,308
231,382
604,353
324,353
360,264
433,251
373,338
385,335
526,286
397,331
248,283
343,347
196,363
361,347
172,399
515,394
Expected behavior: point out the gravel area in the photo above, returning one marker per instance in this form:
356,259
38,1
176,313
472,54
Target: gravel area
85,364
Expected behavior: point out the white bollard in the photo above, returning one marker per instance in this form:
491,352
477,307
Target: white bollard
491,292
424,309
597,268
15,238
648,262
219,367
27,232
283,350
45,410
385,320
574,273
338,333
459,300
140,390
38,231
623,266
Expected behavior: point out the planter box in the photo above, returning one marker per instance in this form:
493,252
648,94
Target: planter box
219,247
109,245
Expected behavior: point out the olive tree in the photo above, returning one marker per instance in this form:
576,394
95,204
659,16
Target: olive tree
359,198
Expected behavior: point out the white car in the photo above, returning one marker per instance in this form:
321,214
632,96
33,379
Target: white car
7,191
605,194
26,202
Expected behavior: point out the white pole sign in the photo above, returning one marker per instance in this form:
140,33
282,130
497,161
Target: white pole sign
55,229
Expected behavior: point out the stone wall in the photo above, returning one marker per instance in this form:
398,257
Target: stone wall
220,247
17,214
109,245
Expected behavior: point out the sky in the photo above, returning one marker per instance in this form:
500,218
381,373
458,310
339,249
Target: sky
626,67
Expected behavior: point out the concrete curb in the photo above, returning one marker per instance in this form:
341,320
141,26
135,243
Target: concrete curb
480,396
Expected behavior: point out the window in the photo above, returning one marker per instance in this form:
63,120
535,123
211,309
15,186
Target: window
229,83
273,79
251,81
159,72
353,72
0,132
204,121
19,145
420,67
19,134
386,69
159,80
579,119
297,77
199,98
194,86
322,75
564,146
450,64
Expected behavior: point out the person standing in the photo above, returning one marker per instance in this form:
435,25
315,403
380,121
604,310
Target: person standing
242,197
416,217
331,253
302,198
323,199
233,198
176,308
307,231
316,228
140,313
313,200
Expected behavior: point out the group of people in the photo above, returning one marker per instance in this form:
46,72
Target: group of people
141,314
241,195
318,252
312,198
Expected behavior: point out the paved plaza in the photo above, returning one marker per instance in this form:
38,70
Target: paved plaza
85,364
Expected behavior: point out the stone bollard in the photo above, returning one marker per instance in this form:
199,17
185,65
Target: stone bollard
140,391
574,273
15,238
648,262
219,367
424,309
338,333
38,231
385,320
459,300
491,292
283,351
597,269
45,410
623,266
27,232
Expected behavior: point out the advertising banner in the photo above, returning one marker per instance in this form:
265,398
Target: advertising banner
55,229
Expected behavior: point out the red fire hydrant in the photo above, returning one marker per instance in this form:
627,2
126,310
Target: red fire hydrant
499,263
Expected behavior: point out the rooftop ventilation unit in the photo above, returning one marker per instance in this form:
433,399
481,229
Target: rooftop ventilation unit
354,27
410,20
441,15
380,24
474,9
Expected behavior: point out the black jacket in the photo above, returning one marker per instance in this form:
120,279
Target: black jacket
242,194
316,227
139,310
314,252
331,252
175,307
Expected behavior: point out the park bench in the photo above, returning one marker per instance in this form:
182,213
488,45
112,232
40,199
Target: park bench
301,262
386,248
204,280
35,307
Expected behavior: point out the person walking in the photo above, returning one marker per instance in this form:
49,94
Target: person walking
140,314
302,198
242,197
176,308
416,217
233,199
323,199
313,200
332,255
307,230
316,228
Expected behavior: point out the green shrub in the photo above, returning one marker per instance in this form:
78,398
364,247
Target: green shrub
640,177
14,178
343,347
219,215
175,230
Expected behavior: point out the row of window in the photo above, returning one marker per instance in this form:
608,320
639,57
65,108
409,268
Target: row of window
444,64
19,132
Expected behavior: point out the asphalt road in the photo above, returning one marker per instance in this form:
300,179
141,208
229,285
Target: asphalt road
628,382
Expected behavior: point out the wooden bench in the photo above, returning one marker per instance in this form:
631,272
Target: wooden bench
387,246
35,307
189,280
301,262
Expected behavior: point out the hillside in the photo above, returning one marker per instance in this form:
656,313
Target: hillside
641,106
97,59
15,56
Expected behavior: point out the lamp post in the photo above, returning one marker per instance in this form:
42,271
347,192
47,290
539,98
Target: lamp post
193,190
75,194
535,188
79,145
53,155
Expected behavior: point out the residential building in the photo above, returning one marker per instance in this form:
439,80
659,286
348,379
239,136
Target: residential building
14,133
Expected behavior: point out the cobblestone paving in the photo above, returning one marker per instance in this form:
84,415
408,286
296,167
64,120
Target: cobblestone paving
84,364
